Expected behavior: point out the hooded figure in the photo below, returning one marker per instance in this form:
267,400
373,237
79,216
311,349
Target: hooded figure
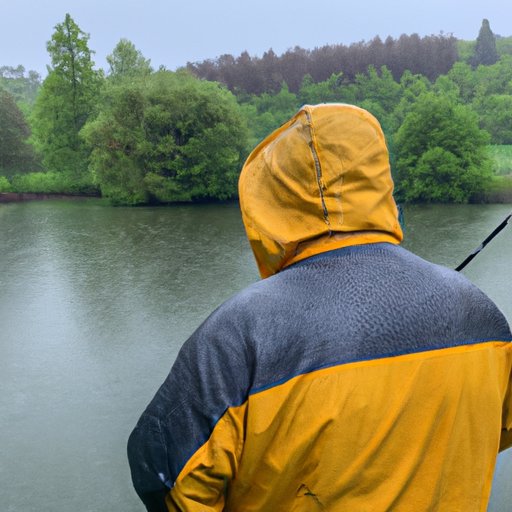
354,377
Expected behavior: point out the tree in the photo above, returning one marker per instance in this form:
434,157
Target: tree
23,86
268,68
412,86
495,113
441,152
66,100
485,47
466,50
495,78
16,155
504,45
267,112
378,88
465,79
249,76
430,56
334,89
171,138
126,62
447,87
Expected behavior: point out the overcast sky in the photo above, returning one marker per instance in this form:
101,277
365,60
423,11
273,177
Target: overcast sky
171,32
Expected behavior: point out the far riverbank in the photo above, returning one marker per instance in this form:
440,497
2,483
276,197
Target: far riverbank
16,197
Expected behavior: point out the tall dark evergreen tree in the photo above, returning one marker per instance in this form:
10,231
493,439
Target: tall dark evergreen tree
485,48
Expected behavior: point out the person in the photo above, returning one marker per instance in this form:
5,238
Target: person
355,376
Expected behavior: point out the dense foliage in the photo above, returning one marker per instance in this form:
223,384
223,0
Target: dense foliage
441,152
142,136
168,138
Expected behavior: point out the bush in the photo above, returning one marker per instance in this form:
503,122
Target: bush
53,183
5,186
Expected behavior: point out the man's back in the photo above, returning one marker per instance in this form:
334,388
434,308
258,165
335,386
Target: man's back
383,391
360,379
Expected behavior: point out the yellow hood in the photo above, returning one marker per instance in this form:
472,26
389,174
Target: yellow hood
319,182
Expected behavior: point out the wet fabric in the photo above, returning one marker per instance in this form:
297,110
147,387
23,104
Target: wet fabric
325,171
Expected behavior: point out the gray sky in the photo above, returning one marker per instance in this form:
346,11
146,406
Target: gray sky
171,32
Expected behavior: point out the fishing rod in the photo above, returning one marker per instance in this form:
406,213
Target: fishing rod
484,243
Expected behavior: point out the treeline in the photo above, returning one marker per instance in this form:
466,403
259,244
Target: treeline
134,134
429,56
437,132
139,136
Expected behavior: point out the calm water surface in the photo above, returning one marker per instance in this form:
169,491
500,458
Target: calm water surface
96,301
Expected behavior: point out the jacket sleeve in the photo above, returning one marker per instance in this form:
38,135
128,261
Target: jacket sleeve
184,451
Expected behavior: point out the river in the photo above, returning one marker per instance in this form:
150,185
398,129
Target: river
96,301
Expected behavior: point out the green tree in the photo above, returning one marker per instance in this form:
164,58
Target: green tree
379,94
504,45
333,90
66,100
465,51
443,86
494,79
126,62
484,80
267,112
441,152
16,155
379,88
495,113
465,79
412,86
485,47
23,85
170,138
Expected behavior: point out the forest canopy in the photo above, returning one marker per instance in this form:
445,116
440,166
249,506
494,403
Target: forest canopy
138,135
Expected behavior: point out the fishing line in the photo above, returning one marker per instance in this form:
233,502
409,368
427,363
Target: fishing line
484,243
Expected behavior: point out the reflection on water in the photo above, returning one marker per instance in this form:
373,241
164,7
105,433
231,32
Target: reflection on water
94,305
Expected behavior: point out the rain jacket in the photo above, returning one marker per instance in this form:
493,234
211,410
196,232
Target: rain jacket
355,377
